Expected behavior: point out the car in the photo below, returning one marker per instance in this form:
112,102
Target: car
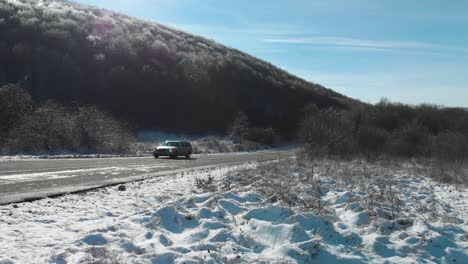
173,149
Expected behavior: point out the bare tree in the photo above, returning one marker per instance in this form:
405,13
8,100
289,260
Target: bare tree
15,103
240,128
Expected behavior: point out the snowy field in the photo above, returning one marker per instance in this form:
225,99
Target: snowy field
275,212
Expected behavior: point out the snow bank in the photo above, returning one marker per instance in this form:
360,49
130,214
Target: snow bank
169,220
69,156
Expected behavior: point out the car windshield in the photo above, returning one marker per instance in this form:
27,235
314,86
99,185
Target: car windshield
171,144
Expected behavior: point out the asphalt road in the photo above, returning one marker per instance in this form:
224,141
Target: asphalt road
29,179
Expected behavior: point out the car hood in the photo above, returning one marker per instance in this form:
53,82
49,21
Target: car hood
166,147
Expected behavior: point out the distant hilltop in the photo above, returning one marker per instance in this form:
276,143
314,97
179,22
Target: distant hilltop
153,76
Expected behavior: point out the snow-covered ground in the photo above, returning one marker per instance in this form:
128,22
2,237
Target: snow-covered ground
68,156
270,213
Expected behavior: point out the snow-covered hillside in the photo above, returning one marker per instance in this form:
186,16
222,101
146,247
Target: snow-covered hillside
231,215
83,55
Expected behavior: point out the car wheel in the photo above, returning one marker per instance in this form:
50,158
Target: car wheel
156,156
187,156
173,156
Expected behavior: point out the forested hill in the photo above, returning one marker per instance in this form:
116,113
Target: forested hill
151,75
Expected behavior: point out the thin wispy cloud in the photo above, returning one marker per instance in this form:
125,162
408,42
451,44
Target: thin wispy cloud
371,45
267,50
349,42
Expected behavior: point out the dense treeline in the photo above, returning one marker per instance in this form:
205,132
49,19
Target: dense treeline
33,128
428,133
151,75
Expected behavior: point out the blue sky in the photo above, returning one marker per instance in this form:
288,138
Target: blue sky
408,51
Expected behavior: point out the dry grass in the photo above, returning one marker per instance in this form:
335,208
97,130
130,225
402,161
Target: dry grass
380,188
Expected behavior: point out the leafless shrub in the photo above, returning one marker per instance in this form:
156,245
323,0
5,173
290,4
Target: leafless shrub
327,131
285,182
447,159
211,145
143,147
451,147
409,141
102,255
206,184
372,141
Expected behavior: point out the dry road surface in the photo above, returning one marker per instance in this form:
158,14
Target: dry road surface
29,179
